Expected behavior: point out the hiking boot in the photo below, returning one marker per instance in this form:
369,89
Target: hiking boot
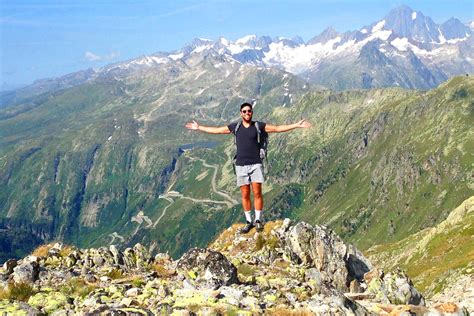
259,226
246,228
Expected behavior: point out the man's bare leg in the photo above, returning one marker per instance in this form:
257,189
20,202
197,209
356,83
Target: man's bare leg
258,203
246,204
257,195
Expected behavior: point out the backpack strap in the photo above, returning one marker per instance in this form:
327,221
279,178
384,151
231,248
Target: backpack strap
235,131
258,131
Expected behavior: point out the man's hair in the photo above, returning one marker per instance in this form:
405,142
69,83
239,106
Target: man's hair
246,104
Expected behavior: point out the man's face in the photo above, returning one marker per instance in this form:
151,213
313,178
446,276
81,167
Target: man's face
246,113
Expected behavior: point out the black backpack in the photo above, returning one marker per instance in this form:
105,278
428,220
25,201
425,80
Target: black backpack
262,139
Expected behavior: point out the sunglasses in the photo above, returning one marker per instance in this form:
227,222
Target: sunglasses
246,111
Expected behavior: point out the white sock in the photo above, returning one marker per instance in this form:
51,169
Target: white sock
248,216
258,215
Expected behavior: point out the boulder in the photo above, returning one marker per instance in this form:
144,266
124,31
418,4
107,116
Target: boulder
142,255
55,250
321,248
49,302
9,265
129,258
26,272
395,288
116,254
207,269
8,307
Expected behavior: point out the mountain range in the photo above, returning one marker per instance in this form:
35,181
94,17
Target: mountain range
405,49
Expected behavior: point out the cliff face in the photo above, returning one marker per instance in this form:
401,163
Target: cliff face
288,268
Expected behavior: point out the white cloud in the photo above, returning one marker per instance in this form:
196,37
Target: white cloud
93,57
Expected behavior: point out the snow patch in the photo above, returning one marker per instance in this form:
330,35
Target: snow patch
383,35
159,60
176,56
413,15
146,61
441,37
379,26
200,91
456,40
201,48
245,39
199,74
297,59
236,49
224,41
363,31
400,44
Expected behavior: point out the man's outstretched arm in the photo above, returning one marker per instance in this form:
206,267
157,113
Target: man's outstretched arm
207,129
285,128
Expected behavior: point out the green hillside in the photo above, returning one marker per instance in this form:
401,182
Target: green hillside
437,256
101,163
380,165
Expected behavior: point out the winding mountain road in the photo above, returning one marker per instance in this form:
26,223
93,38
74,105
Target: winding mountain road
169,195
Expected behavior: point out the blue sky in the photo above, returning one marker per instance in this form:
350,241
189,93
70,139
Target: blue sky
41,39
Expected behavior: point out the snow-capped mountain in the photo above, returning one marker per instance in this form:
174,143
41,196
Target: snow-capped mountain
405,48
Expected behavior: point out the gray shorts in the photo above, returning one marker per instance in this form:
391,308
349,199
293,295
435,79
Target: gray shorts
249,173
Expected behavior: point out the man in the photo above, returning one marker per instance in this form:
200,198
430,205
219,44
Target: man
249,168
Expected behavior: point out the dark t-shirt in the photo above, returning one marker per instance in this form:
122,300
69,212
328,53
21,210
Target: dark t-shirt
248,149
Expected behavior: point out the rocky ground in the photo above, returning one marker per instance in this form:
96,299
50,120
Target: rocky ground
289,268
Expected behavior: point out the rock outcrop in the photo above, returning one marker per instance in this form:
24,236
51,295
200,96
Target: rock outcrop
288,268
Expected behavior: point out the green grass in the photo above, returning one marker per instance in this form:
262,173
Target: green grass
449,251
17,291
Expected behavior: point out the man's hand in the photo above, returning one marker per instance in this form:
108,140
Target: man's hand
192,126
303,124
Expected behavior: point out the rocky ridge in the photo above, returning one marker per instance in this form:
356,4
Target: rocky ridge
289,268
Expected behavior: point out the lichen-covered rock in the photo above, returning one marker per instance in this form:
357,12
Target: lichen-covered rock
285,269
207,268
117,255
335,305
395,288
18,308
129,258
142,256
26,272
320,247
9,265
49,301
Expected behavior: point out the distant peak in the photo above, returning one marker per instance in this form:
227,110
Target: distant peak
401,9
452,21
328,34
246,39
200,41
